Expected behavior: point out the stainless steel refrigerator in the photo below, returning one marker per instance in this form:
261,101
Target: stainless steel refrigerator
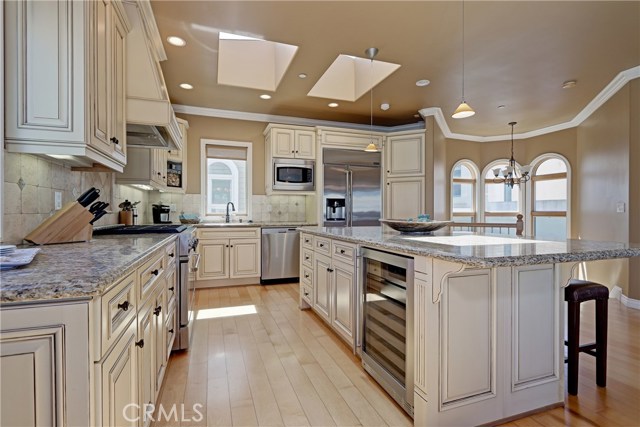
352,181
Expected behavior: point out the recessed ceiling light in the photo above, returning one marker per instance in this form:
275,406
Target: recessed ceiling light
333,104
500,107
302,75
569,84
186,86
176,41
416,115
265,96
385,106
423,82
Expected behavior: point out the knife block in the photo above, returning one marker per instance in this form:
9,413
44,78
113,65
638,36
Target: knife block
69,224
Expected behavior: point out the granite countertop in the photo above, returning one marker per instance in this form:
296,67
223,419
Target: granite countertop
481,250
78,270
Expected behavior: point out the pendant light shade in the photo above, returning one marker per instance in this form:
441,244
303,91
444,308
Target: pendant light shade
463,110
371,148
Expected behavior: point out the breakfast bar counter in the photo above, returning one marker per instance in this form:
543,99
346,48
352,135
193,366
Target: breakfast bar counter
484,313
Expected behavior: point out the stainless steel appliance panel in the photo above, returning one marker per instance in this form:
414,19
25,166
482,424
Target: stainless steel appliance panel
293,174
366,199
280,253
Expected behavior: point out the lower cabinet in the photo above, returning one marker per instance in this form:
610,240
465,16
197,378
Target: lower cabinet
229,255
332,283
52,354
404,197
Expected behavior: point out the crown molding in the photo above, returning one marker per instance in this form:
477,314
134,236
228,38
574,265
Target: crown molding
287,120
611,89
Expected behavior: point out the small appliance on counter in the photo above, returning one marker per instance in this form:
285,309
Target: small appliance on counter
161,214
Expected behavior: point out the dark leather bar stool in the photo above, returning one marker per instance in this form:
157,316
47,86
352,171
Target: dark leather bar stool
577,292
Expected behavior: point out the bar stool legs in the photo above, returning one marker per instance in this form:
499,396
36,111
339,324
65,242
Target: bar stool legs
576,293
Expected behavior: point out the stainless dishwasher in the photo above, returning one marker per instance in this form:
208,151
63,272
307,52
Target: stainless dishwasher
280,254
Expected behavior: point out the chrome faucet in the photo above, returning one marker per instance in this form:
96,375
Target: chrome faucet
227,218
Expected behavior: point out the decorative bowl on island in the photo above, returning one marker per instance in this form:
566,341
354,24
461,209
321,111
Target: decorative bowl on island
405,226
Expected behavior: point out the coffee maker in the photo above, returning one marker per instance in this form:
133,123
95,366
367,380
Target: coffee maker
161,214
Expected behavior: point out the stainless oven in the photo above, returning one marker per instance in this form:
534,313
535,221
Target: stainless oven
293,174
188,267
387,323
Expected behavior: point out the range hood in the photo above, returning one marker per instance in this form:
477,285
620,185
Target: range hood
151,121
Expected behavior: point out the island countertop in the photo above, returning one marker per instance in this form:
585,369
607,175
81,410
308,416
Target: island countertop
481,250
78,270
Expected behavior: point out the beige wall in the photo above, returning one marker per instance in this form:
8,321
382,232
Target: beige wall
229,130
634,190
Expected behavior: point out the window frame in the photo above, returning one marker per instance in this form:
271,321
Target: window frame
522,188
469,164
204,176
531,212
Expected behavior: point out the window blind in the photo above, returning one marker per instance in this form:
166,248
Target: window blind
226,152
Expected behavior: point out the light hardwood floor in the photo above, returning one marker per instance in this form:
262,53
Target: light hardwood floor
283,366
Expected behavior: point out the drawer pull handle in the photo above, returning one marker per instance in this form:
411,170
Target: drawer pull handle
157,310
114,140
124,306
342,251
171,255
171,330
330,270
155,272
172,288
140,343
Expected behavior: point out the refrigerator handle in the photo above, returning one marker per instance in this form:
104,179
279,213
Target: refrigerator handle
349,201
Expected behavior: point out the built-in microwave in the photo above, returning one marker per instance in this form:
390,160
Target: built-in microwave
293,174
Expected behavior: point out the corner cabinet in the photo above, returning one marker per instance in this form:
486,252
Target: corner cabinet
328,283
78,111
228,256
404,187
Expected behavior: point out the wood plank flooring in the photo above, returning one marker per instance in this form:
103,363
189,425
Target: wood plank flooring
281,366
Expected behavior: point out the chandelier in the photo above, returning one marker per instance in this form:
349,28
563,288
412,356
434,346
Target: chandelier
509,175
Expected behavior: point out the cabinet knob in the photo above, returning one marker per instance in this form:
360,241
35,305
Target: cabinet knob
124,306
342,251
321,245
171,330
292,151
226,246
231,246
171,288
330,270
306,258
172,255
306,294
157,310
388,171
387,183
140,343
159,174
114,140
306,276
155,272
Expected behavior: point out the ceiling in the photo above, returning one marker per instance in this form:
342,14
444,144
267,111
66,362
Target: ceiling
516,54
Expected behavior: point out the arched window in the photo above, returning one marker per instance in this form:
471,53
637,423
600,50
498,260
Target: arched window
549,197
464,176
501,203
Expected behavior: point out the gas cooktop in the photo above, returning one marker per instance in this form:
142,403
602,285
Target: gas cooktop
141,229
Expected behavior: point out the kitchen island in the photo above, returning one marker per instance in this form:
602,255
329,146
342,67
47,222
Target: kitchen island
488,314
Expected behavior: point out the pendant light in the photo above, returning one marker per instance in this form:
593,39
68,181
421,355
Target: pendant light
463,110
372,147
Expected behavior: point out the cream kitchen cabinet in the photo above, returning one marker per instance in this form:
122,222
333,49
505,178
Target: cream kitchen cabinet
332,282
291,142
228,256
77,112
179,157
404,166
146,167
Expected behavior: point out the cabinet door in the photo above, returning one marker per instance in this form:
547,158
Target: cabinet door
146,356
283,143
305,147
344,284
404,155
404,198
244,258
159,167
322,286
100,77
159,336
214,259
119,382
118,134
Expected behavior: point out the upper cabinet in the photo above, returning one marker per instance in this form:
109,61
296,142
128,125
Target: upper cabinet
404,155
65,80
291,142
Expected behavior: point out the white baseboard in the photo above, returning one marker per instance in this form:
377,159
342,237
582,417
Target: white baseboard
616,293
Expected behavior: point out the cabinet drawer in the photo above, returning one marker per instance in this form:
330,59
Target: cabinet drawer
307,257
306,275
229,233
307,240
149,274
172,253
118,308
170,327
322,245
343,252
172,286
305,293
